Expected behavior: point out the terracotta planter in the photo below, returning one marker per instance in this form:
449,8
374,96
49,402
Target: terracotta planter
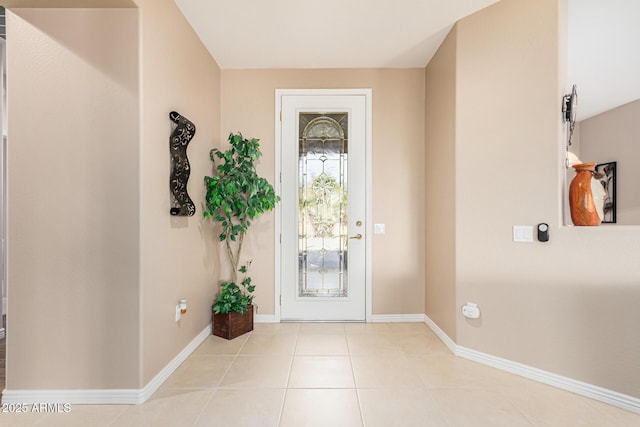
581,200
232,325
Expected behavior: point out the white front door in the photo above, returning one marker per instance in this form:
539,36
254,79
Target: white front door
323,208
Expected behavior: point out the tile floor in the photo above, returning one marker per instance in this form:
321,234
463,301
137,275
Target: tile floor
335,375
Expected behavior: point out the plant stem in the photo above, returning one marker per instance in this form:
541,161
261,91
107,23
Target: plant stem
234,259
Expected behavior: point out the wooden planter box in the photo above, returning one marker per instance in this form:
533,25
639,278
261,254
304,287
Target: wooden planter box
232,325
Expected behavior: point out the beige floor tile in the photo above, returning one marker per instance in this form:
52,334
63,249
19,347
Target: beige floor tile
477,407
78,415
618,416
417,344
321,408
219,346
22,419
305,375
243,407
399,407
276,328
321,372
368,344
199,371
322,328
86,415
549,406
409,328
444,370
366,328
312,344
259,372
269,344
384,371
171,408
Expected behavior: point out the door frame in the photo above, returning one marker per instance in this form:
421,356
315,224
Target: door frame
367,93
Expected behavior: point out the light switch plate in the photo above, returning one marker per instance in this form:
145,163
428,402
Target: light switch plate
523,233
378,228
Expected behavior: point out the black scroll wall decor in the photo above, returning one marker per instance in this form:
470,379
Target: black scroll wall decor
181,203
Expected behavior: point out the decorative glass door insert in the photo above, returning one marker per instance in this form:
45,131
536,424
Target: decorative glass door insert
323,140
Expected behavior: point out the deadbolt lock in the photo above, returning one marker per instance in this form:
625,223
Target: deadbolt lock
358,223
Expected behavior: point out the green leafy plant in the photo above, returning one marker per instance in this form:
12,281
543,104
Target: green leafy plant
233,297
235,197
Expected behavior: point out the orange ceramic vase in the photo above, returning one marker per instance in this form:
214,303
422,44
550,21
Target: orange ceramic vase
581,203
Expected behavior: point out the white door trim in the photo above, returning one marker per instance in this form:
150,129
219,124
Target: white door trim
368,178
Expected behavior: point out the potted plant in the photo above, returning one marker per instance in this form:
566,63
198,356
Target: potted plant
235,196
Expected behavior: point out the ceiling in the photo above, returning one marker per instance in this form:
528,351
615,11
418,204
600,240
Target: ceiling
603,57
603,53
324,34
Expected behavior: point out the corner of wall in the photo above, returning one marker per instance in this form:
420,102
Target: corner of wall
440,183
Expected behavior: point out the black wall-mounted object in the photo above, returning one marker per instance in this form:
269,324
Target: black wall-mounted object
181,203
543,232
569,111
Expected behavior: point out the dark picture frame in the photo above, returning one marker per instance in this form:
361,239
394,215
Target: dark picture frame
608,181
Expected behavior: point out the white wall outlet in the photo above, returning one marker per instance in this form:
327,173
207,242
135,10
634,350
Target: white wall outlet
471,310
378,228
178,315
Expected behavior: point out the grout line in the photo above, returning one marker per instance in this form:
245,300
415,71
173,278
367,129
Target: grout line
353,374
293,358
195,422
117,417
286,389
216,387
235,358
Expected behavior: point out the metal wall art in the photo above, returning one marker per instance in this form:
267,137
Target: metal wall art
607,177
181,203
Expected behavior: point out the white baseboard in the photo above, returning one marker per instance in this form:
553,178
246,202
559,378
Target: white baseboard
594,392
441,334
106,397
376,318
397,318
265,318
170,368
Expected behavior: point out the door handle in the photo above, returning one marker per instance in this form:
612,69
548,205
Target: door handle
357,237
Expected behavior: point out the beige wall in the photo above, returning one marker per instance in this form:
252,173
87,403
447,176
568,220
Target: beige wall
97,264
95,290
613,137
248,100
440,170
178,255
73,199
566,306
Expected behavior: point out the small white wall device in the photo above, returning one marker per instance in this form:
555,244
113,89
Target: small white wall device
471,310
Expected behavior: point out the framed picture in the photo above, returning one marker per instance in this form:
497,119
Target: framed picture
608,181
